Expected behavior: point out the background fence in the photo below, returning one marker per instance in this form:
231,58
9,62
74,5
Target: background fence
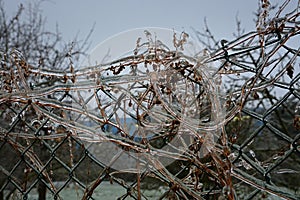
155,124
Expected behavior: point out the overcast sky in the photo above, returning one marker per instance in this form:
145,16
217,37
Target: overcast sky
110,17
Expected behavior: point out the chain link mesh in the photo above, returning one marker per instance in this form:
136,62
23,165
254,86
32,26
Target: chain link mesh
55,124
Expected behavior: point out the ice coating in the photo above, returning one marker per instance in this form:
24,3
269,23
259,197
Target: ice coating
155,98
161,91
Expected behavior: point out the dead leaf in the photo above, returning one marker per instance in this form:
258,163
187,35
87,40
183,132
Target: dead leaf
290,71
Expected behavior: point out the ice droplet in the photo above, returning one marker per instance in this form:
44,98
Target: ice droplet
252,153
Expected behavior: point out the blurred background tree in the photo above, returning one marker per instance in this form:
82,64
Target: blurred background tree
25,31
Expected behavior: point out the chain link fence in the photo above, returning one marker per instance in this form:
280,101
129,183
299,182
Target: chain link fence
160,122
